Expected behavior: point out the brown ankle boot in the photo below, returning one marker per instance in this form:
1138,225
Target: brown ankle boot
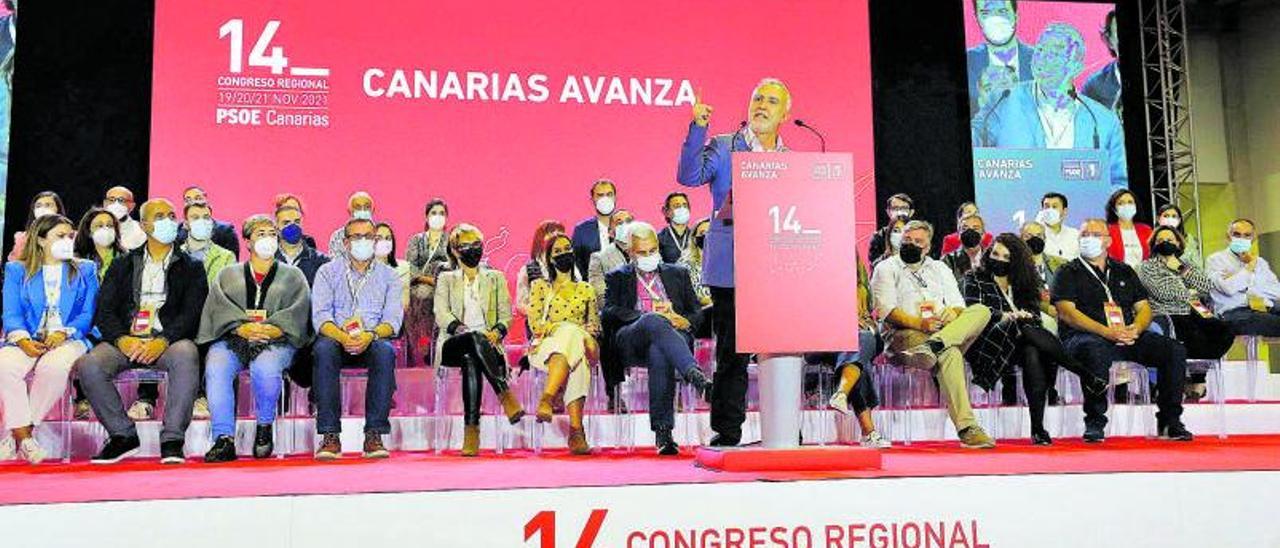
545,411
511,406
471,441
578,442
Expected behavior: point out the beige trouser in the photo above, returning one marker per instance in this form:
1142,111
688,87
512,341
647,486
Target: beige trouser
22,408
956,337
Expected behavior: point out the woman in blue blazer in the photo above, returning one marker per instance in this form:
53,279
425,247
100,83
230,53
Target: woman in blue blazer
48,309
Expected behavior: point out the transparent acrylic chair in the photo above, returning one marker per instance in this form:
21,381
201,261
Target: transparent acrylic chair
1134,376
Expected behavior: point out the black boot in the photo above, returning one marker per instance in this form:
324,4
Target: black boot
666,444
699,382
223,450
263,442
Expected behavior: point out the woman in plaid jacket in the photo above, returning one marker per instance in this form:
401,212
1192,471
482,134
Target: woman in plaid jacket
1007,283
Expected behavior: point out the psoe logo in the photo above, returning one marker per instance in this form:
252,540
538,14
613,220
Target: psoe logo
827,171
1081,170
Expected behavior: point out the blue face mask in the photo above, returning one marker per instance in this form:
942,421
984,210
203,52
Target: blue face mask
165,231
1241,245
291,234
1090,247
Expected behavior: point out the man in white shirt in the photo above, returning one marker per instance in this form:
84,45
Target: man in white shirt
1060,240
926,323
1246,292
119,201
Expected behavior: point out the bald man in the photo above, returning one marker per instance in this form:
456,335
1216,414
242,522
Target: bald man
148,313
119,201
707,162
359,206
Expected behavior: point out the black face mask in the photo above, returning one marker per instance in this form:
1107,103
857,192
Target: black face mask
997,268
1167,249
970,238
471,255
700,240
1036,244
910,253
563,262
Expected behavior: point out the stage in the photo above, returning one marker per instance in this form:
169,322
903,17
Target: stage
427,472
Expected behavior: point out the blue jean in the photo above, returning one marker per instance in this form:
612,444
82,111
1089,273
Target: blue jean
863,395
379,358
652,342
266,372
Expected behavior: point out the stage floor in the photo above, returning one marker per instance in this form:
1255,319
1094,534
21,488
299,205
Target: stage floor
426,472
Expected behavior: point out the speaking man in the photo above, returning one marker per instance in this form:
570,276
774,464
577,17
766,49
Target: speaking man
708,162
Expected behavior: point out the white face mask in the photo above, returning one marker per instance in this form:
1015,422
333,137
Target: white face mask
436,222
201,229
265,248
648,263
622,235
1090,247
118,209
63,249
895,239
1050,216
1126,212
362,250
382,248
1171,222
362,214
680,216
43,211
104,236
998,29
605,205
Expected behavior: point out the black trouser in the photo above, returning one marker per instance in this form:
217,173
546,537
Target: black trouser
1041,353
1204,338
149,391
478,358
729,389
1154,351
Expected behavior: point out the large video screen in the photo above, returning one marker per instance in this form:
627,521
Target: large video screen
1044,97
8,38
507,110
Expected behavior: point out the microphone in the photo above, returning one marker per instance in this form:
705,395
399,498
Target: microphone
1076,97
733,140
991,110
821,139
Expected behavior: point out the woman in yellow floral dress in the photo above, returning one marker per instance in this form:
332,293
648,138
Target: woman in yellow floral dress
564,319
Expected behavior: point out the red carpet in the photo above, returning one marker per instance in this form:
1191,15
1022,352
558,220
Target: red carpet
21,484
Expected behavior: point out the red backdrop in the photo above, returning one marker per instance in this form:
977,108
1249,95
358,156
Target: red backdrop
502,165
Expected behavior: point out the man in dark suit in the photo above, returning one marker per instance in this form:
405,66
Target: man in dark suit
673,241
1103,86
224,234
650,313
963,260
592,234
999,22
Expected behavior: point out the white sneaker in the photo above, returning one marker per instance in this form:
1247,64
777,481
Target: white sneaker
7,450
874,440
31,451
141,411
840,402
200,409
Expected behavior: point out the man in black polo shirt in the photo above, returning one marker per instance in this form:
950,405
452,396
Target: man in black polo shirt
1103,315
